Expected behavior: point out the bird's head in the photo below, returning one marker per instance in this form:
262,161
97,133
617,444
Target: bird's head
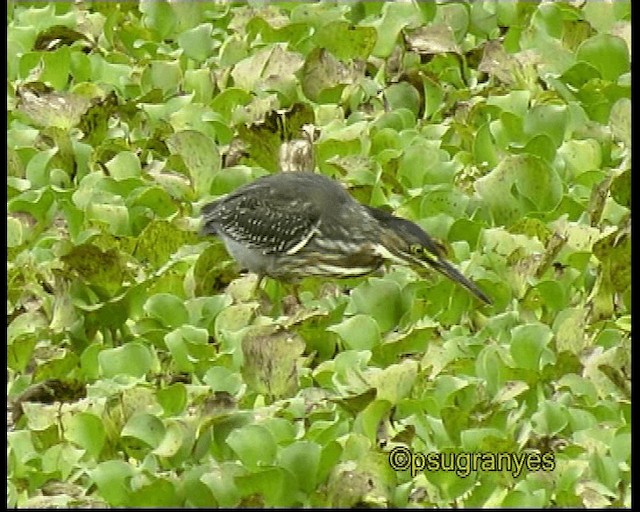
405,242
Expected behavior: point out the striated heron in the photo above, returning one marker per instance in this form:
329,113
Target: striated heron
294,225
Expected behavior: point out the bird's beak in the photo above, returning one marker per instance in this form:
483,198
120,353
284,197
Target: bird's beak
446,268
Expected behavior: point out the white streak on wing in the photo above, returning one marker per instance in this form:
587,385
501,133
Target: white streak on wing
328,269
381,250
305,240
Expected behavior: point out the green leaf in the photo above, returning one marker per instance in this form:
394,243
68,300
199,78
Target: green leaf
608,54
621,189
484,151
378,298
518,185
168,309
201,156
620,121
105,270
159,16
112,479
370,418
87,431
254,445
37,171
189,348
516,102
528,344
550,418
221,483
550,120
146,428
159,493
222,379
197,42
132,359
520,499
154,198
271,67
396,381
15,232
395,16
346,41
302,459
124,165
359,332
54,67
173,398
403,95
581,156
269,487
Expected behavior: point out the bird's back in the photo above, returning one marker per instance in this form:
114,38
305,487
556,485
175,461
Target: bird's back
297,196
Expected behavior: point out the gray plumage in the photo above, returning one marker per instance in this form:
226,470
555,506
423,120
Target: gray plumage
292,225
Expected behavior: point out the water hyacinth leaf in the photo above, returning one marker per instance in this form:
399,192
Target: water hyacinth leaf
103,269
608,54
223,379
221,483
196,42
403,95
302,459
173,399
378,298
189,348
167,309
132,359
176,437
621,189
346,41
87,431
112,479
124,165
271,362
396,381
620,120
53,66
518,185
159,240
146,428
528,344
395,16
372,416
359,332
271,67
201,156
271,485
254,445
159,493
550,418
548,120
580,156
60,109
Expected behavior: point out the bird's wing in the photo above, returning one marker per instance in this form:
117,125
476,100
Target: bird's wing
269,224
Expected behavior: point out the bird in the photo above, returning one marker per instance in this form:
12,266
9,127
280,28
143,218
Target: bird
289,226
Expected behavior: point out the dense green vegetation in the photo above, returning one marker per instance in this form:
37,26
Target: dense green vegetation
142,368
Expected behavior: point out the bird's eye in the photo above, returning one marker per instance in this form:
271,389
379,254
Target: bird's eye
416,249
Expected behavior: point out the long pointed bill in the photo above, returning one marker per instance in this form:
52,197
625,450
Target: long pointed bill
433,261
454,274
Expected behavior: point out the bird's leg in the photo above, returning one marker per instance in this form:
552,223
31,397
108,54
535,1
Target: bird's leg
262,296
258,283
